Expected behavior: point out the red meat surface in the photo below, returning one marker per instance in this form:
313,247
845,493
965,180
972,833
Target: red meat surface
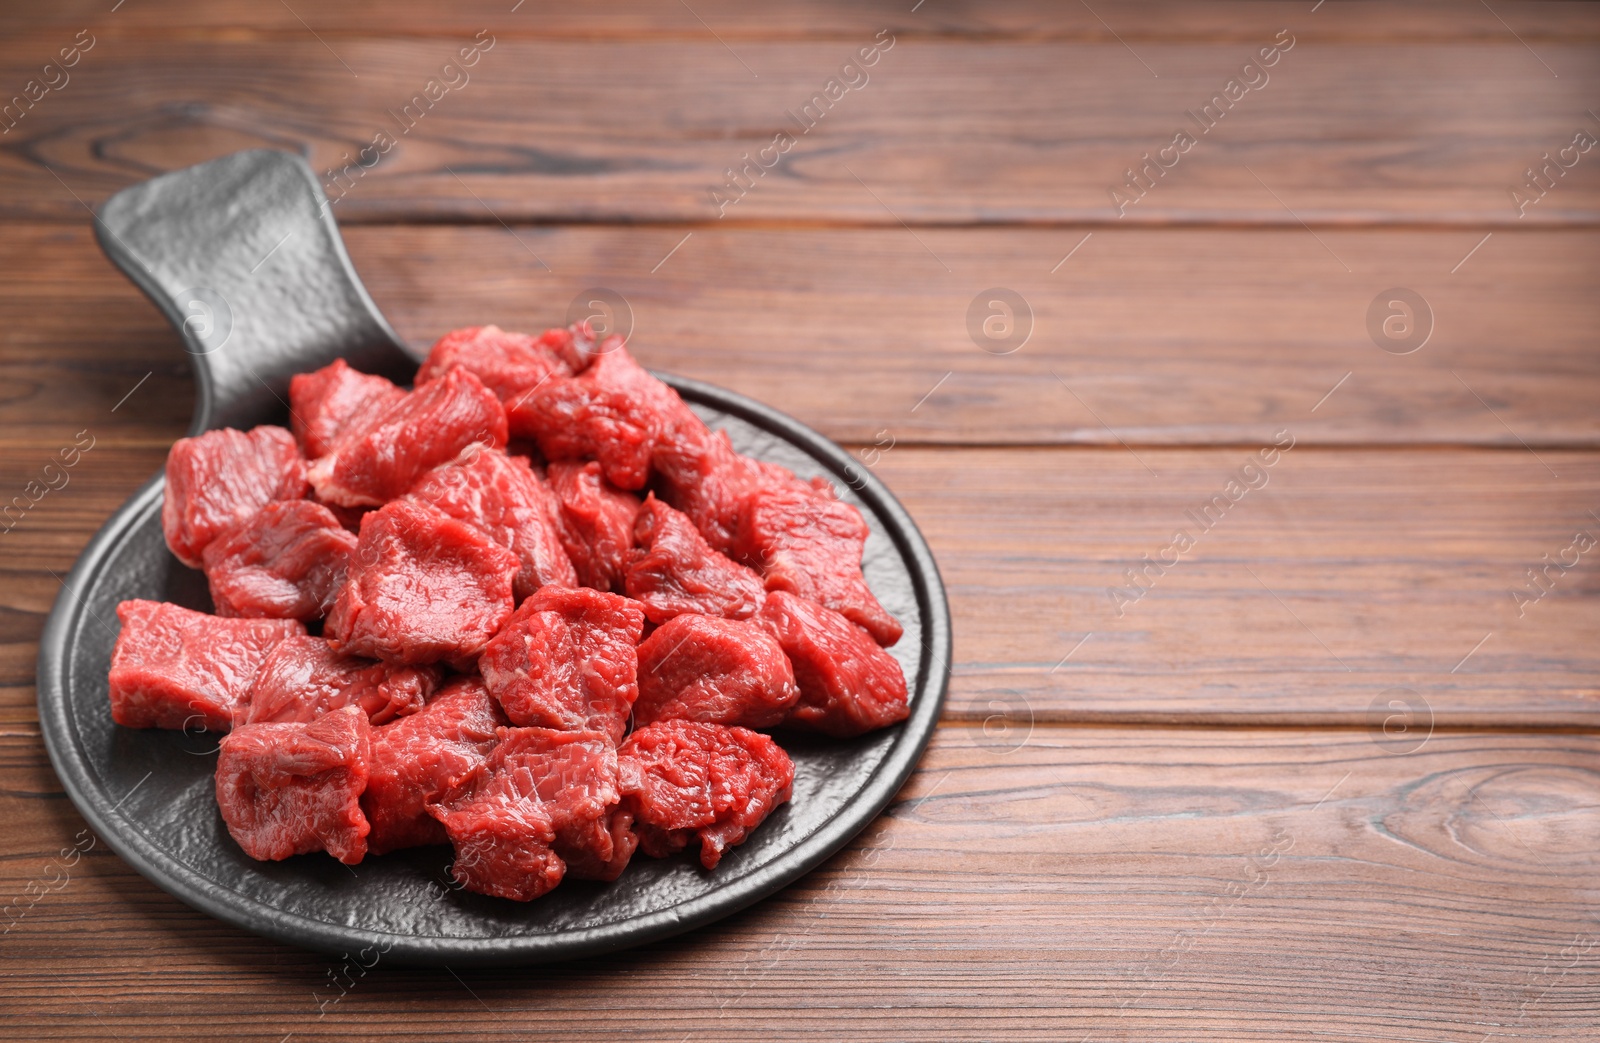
541,796
418,760
848,685
710,482
322,404
376,461
507,501
811,546
684,779
614,412
219,479
422,588
286,562
290,789
509,364
673,570
567,661
597,523
304,678
176,668
719,671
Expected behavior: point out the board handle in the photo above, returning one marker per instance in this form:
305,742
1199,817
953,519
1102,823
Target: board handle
243,257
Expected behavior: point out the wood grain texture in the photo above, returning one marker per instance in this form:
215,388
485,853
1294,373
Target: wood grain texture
1149,337
1350,578
940,131
1105,23
1111,884
1326,779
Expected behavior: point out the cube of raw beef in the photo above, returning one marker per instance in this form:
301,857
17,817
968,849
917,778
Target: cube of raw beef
683,779
567,660
286,562
176,668
711,483
219,479
811,546
418,760
375,461
323,403
719,671
304,678
509,364
673,570
541,797
290,789
422,588
848,685
507,501
614,412
596,523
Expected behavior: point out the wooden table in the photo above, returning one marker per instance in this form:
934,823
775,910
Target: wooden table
1328,772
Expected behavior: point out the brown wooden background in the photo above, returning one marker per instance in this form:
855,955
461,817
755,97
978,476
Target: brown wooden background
1189,824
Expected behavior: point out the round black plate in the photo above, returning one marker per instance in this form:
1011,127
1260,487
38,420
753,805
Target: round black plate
149,796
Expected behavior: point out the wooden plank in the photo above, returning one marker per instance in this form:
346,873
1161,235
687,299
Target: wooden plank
1034,19
1172,336
1350,579
1092,884
940,131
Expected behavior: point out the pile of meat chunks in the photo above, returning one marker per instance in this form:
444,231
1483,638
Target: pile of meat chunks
532,607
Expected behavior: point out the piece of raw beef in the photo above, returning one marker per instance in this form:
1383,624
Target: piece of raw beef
811,546
505,498
304,678
379,459
176,668
541,796
422,588
673,570
509,364
290,789
323,403
219,479
711,481
597,523
719,671
417,760
286,562
567,661
614,412
848,684
684,779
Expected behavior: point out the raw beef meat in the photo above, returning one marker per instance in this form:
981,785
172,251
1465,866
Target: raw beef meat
567,660
596,523
175,668
503,498
219,479
811,546
290,789
422,588
324,403
541,795
684,779
509,364
376,461
286,562
719,671
417,760
848,685
711,483
304,678
674,571
614,412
